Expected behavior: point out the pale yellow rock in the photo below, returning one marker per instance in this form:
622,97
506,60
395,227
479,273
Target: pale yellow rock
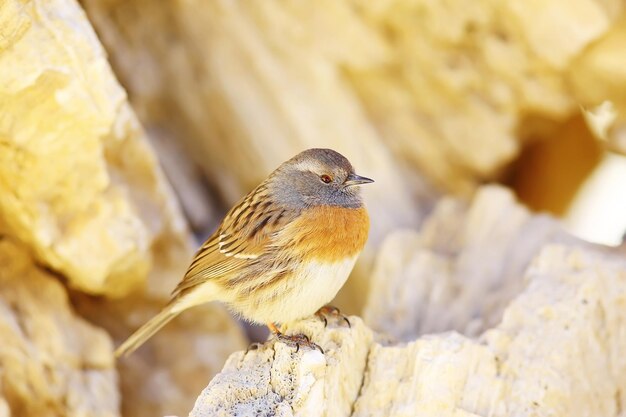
198,204
165,375
82,189
596,76
597,212
14,22
277,380
462,268
416,93
79,183
52,363
4,407
244,97
445,87
600,119
454,96
558,350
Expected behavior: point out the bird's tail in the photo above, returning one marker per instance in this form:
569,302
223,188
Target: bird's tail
146,331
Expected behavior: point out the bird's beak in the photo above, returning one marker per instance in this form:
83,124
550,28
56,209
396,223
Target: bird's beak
354,179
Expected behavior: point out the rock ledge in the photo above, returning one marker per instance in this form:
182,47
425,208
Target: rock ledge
556,351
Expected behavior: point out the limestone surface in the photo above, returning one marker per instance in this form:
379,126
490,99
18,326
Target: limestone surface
597,79
79,183
433,87
421,96
278,380
165,375
462,267
243,97
558,350
81,188
487,310
52,362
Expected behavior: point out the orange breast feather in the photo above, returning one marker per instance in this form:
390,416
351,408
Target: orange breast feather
330,233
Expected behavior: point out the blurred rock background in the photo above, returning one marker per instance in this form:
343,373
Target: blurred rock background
127,128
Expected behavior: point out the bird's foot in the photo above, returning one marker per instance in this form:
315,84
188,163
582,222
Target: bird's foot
329,311
297,340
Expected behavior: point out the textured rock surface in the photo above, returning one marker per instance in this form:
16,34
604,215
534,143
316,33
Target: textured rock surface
243,97
52,363
462,267
557,351
79,183
81,188
416,93
166,374
408,90
596,76
277,380
251,83
225,81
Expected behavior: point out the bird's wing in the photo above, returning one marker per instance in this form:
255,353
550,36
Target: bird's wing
246,233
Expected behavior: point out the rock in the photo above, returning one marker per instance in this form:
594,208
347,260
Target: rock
564,328
423,97
436,88
165,375
52,362
596,78
277,380
556,351
463,267
457,92
414,93
82,189
4,407
247,119
80,184
196,200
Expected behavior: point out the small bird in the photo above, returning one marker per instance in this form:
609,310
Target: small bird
282,252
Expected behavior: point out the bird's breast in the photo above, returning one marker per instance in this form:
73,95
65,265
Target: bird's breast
329,234
309,286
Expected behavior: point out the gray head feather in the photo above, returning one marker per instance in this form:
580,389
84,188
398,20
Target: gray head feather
299,182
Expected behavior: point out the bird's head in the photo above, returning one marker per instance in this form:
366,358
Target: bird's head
318,177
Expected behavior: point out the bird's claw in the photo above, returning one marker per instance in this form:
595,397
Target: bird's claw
298,340
328,311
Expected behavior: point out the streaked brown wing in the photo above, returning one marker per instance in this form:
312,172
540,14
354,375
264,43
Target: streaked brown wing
246,233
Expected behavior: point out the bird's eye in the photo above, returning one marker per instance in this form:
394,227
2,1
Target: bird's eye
326,178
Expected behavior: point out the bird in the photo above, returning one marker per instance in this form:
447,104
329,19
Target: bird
282,252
